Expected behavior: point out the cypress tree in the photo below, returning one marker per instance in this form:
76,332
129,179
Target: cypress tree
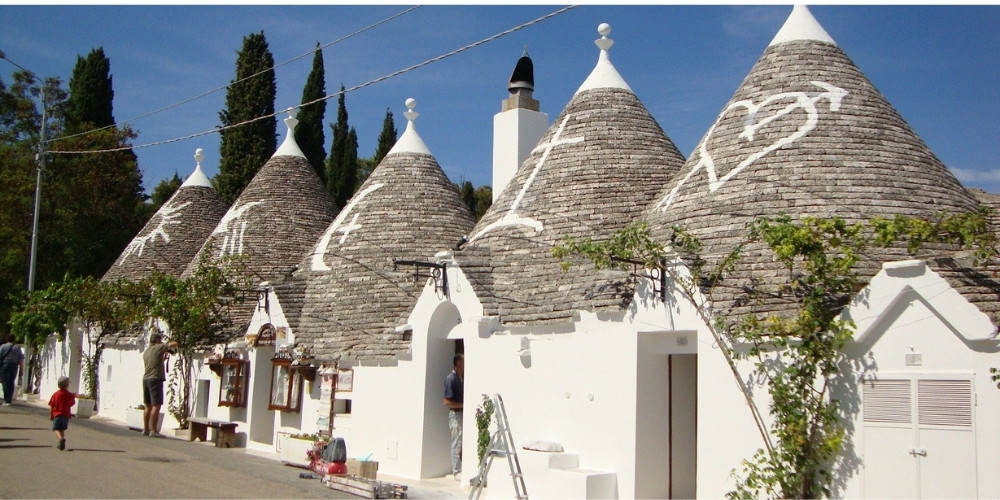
244,149
100,195
348,182
342,164
90,94
309,132
387,138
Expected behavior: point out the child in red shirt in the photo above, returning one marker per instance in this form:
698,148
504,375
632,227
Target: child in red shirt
61,402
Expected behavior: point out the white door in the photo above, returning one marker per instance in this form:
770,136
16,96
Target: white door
919,438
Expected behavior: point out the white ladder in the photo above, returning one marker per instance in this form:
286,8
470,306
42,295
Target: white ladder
501,445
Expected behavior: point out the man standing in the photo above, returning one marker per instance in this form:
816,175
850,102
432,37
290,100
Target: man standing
454,388
11,361
152,382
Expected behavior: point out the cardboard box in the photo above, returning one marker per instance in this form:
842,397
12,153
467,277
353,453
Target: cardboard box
367,469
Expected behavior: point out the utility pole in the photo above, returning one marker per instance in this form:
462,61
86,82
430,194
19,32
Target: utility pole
40,160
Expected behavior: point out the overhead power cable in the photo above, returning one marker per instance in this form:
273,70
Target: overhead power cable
261,72
337,94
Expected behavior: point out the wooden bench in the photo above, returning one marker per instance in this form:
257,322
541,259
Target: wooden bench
225,435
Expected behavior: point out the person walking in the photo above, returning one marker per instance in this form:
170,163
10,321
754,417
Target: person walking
60,410
454,389
153,376
11,362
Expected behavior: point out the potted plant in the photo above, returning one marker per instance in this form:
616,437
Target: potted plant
84,405
295,449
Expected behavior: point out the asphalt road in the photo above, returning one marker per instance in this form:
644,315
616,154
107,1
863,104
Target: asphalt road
107,460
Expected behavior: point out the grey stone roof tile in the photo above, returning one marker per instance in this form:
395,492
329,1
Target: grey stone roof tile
274,221
596,168
805,134
171,237
406,210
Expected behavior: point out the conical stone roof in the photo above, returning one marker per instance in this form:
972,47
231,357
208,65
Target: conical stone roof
600,163
274,221
174,234
407,209
806,134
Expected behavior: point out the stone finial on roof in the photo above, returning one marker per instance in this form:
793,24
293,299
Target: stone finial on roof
410,141
801,25
198,178
289,147
604,74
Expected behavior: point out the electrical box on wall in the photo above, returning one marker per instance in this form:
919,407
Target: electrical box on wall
914,359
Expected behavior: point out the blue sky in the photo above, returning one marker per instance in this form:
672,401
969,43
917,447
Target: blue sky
938,65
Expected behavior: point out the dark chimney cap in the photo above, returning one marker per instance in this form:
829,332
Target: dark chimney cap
523,76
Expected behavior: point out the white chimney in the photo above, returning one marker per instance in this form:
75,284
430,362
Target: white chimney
518,127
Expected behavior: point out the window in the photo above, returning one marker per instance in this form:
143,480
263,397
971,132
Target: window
286,384
234,372
233,389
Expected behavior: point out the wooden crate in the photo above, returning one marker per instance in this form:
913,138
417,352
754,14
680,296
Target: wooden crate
364,487
367,469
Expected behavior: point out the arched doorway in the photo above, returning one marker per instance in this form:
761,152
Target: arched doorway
441,349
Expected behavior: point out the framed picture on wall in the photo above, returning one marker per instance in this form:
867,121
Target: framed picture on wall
345,380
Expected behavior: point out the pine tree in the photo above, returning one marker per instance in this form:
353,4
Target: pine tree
90,94
309,132
244,149
342,164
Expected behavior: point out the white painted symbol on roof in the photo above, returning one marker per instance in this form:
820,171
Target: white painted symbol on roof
323,246
168,216
234,228
511,218
805,101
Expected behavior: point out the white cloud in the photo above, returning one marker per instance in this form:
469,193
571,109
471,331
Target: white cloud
988,180
973,176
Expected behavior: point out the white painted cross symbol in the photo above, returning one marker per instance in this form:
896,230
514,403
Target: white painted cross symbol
348,228
511,218
337,227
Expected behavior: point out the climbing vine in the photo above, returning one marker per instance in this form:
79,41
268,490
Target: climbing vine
484,414
799,354
195,311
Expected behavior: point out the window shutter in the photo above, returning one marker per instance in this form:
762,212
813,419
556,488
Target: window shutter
945,402
887,401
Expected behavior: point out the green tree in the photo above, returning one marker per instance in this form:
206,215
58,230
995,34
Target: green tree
342,164
245,148
164,190
309,132
386,138
821,256
95,204
478,199
467,192
91,94
20,124
484,200
100,195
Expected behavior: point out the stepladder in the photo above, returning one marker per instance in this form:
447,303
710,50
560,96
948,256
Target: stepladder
501,446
